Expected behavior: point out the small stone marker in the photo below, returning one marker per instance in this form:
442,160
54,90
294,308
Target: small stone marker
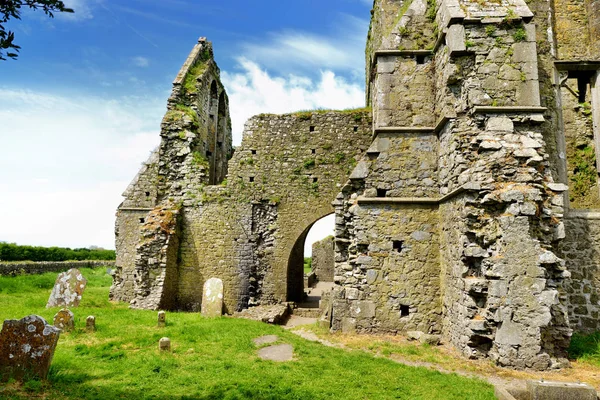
68,289
279,353
539,390
64,320
164,344
268,339
212,298
162,319
90,324
26,348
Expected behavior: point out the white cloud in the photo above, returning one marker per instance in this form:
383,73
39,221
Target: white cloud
140,61
64,163
342,50
253,91
82,8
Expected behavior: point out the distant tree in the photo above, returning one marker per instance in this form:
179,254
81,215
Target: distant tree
12,9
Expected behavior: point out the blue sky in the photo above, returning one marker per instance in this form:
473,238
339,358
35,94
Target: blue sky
81,107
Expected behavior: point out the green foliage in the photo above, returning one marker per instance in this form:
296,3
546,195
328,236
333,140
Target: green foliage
586,108
519,35
11,9
307,265
339,157
191,78
585,348
212,358
469,43
431,10
199,160
403,30
309,163
14,252
490,29
585,175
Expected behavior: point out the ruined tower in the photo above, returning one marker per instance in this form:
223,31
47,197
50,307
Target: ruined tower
464,194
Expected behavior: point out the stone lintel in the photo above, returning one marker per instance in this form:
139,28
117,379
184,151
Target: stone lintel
414,200
509,109
402,53
403,129
135,209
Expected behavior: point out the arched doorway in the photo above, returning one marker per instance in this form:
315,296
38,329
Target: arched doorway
299,288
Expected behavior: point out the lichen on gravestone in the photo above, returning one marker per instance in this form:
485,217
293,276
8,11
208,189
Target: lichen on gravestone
68,289
26,348
64,320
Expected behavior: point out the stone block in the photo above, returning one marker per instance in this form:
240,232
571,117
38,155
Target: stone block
455,38
64,320
26,348
212,298
431,340
164,344
90,324
414,335
539,390
162,319
499,124
68,289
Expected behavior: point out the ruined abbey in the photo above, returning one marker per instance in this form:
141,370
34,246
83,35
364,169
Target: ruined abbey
466,194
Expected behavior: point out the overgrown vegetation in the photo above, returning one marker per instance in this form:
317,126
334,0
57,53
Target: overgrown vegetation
211,358
191,78
585,175
586,348
520,34
15,252
199,160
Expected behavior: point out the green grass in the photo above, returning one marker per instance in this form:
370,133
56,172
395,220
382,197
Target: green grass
307,265
211,358
585,349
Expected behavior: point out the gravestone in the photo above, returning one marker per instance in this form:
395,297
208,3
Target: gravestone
26,348
212,298
164,344
90,324
279,353
68,289
64,320
162,319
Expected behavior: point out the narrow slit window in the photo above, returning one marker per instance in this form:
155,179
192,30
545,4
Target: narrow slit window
147,194
356,129
381,192
312,128
220,144
253,151
397,245
208,153
315,180
251,179
314,151
404,311
142,220
420,59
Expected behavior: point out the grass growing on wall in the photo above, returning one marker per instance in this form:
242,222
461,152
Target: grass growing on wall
211,358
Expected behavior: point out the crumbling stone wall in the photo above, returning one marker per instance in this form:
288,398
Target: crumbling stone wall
281,181
322,259
195,146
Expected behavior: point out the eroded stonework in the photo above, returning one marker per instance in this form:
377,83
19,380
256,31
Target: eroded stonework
455,192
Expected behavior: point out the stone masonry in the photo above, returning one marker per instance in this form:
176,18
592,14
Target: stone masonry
464,194
323,262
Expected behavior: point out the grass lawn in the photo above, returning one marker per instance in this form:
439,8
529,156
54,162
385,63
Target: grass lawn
211,358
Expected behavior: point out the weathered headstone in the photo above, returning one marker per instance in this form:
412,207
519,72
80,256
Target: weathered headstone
162,319
26,348
212,298
90,324
64,320
164,344
68,289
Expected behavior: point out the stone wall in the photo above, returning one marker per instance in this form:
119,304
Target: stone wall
25,267
581,250
194,150
322,259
